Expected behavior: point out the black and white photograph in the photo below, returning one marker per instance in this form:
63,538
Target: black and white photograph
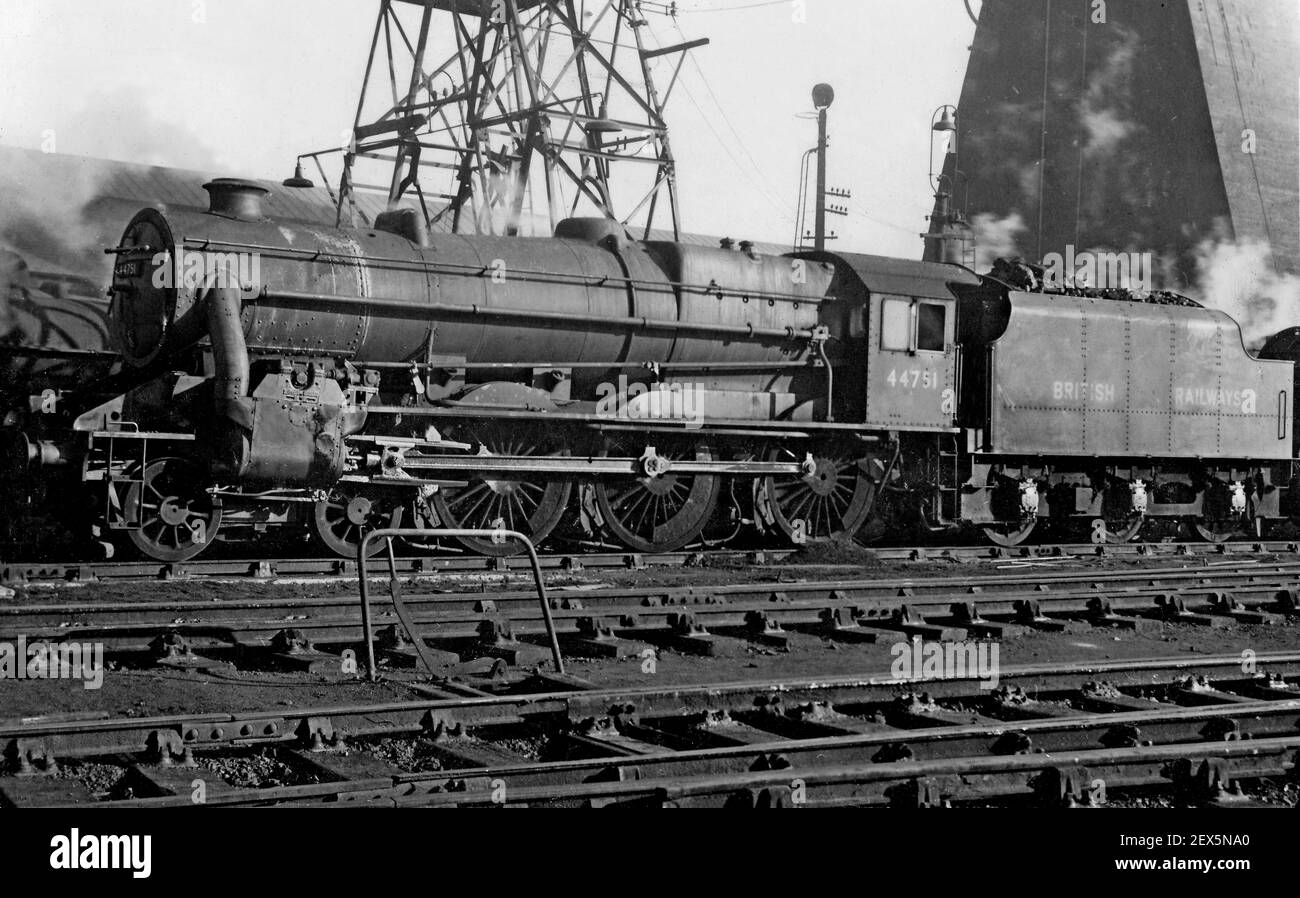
650,404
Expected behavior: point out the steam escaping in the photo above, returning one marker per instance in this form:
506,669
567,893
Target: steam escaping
43,206
995,238
13,275
1106,130
505,205
1102,110
1238,277
120,125
51,209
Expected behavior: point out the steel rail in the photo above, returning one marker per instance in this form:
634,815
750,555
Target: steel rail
819,757
245,621
868,783
19,571
220,625
274,725
676,789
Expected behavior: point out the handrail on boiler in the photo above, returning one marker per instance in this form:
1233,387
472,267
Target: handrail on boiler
389,533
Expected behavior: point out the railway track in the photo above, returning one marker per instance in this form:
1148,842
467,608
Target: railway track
19,573
624,621
1204,730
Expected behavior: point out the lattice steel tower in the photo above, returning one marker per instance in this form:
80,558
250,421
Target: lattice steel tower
506,116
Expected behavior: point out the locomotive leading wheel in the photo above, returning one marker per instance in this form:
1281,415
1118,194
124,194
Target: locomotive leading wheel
659,514
350,511
178,519
529,503
831,502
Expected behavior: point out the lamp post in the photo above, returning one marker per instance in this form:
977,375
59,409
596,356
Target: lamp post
949,228
943,121
823,96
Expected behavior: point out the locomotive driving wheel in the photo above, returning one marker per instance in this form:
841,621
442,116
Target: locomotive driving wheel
350,510
662,513
832,499
531,503
178,518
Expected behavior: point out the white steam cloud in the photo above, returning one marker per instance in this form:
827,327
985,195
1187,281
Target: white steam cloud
119,125
1238,277
1101,109
43,205
995,238
47,198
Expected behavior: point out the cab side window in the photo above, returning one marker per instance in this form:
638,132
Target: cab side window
908,325
896,325
931,324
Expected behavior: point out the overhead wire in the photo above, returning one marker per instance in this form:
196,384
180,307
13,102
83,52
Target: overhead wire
744,148
758,178
753,171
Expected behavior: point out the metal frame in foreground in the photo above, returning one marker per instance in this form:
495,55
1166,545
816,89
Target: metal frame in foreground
388,534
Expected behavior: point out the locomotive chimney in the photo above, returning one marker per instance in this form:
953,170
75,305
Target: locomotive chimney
236,198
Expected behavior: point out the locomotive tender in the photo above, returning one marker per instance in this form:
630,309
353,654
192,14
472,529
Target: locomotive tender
345,379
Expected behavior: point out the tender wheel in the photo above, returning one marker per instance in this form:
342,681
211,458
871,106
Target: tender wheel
1124,530
831,502
1218,522
178,519
1010,534
351,511
659,514
1121,522
531,503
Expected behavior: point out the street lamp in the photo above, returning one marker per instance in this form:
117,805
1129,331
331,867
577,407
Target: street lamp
823,95
948,227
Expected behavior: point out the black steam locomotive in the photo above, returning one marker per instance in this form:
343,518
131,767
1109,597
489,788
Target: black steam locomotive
653,395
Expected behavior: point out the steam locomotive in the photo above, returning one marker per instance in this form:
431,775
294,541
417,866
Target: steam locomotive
277,377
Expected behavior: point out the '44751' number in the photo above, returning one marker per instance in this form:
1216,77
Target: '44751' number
912,379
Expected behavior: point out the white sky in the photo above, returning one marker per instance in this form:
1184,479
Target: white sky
259,81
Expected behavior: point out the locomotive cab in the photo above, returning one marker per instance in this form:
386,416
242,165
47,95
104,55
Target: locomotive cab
899,322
